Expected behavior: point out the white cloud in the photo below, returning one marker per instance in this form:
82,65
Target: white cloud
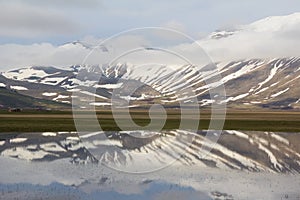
175,25
267,38
277,38
45,54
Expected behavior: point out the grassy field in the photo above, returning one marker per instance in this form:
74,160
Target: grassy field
39,121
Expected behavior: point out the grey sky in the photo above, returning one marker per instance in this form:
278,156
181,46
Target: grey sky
57,22
35,32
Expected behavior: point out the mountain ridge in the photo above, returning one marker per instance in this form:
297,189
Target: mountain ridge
253,83
257,81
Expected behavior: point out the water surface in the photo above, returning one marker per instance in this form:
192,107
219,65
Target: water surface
242,165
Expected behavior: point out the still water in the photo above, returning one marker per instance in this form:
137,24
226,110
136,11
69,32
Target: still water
148,165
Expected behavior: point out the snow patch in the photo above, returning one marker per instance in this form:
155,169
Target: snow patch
100,104
49,94
62,132
26,73
280,139
239,134
273,146
92,94
271,156
261,140
109,86
205,102
237,97
60,97
279,93
107,143
15,87
86,83
73,138
18,140
49,134
25,154
271,75
73,90
262,90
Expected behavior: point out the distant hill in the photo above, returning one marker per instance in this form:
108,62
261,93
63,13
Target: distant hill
12,99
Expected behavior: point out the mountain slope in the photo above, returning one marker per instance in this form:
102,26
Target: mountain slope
263,83
12,99
249,84
259,65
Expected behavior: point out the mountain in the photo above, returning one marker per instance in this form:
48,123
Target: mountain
255,75
29,94
249,84
271,24
12,99
263,83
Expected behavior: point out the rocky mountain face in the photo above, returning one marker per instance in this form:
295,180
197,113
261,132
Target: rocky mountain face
263,83
249,84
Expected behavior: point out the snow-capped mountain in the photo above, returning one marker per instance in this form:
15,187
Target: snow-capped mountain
254,83
272,24
276,23
271,37
254,74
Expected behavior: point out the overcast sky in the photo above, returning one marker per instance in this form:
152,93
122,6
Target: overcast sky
57,22
33,31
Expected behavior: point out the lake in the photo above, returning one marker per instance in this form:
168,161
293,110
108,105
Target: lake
173,164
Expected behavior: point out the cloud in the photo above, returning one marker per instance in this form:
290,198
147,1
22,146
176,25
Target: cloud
26,21
272,37
45,54
133,49
269,38
175,25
